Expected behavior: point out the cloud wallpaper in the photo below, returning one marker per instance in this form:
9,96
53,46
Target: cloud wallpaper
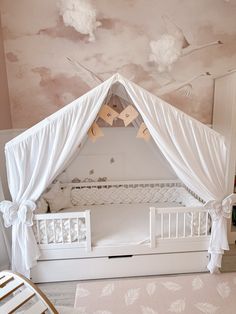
58,50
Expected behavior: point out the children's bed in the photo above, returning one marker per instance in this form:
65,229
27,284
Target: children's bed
122,228
85,239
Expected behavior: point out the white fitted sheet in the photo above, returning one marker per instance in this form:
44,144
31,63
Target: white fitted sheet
116,225
119,224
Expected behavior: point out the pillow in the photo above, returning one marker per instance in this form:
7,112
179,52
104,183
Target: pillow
57,197
42,206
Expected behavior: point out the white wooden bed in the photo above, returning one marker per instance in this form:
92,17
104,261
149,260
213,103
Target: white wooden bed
117,229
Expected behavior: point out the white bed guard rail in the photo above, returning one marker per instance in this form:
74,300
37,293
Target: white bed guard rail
58,231
191,222
64,230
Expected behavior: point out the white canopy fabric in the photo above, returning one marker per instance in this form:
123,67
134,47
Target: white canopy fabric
35,158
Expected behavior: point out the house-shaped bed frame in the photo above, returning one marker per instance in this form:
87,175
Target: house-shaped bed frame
197,154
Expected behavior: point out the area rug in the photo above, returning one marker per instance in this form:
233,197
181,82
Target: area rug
190,294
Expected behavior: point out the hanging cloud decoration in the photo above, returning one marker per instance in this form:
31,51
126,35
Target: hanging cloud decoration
168,49
81,15
172,45
165,52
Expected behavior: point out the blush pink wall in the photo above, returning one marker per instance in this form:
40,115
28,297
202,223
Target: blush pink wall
42,53
5,113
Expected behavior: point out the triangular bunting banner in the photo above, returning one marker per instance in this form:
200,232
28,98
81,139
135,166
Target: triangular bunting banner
143,132
95,132
128,115
108,114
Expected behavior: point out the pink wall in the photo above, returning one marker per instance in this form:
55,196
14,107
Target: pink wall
5,113
43,53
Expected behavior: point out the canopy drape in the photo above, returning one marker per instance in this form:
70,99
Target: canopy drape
196,153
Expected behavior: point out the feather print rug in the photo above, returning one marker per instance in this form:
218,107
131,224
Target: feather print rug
189,294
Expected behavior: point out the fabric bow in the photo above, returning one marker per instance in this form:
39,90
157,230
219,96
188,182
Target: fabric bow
221,208
14,213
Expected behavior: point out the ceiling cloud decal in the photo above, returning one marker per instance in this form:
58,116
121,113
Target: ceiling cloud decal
81,15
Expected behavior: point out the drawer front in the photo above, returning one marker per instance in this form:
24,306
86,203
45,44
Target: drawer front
119,266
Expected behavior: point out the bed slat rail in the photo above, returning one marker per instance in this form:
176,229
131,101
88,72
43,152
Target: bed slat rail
178,223
54,230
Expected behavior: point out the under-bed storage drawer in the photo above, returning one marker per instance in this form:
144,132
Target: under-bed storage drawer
105,267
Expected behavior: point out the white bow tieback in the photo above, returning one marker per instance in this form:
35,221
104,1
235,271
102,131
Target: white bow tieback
14,213
221,208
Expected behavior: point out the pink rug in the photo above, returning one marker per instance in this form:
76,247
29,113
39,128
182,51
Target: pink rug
190,294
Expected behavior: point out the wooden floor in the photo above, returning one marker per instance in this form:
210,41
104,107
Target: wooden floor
63,293
229,260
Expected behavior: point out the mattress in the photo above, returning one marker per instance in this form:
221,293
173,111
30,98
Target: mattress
113,225
119,224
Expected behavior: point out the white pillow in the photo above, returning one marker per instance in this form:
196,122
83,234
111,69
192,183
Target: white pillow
57,197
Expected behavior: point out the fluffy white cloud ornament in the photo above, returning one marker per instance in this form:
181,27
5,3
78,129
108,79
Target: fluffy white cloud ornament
165,52
81,15
172,45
